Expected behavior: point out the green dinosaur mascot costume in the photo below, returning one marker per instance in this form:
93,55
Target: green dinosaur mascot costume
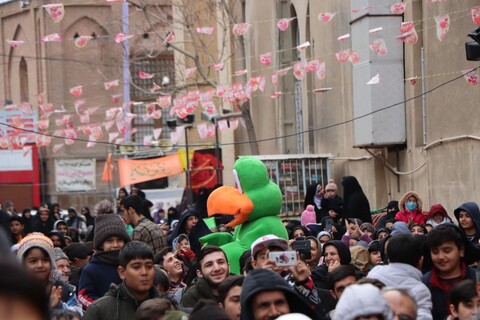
255,202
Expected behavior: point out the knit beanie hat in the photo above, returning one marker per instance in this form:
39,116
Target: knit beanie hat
308,216
106,226
37,240
59,254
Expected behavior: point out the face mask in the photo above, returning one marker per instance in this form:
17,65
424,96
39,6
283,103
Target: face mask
411,206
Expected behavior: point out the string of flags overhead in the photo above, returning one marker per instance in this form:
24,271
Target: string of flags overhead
22,129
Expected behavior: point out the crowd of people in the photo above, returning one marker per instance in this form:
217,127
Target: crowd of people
128,260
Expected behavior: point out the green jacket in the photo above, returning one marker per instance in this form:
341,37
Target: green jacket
117,304
199,290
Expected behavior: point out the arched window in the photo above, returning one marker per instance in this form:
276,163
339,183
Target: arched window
23,72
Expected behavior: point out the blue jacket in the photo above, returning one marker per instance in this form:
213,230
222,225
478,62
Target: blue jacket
97,276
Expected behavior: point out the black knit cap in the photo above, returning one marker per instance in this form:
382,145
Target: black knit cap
106,226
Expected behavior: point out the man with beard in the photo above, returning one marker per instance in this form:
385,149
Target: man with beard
212,269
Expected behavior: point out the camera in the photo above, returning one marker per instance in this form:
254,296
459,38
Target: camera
303,247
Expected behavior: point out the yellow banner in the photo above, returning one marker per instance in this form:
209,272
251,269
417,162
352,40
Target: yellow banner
136,171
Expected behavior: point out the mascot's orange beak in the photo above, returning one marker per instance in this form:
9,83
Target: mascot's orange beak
228,200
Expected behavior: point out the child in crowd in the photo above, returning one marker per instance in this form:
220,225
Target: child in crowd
463,301
37,254
136,269
438,215
181,245
110,236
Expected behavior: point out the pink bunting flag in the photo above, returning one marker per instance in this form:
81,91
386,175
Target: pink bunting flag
357,10
241,72
342,56
76,91
409,34
209,107
211,129
375,79
157,132
442,23
266,59
147,140
190,72
26,150
82,41
120,37
472,77
112,136
145,76
4,143
475,13
222,125
274,78
108,125
303,46
42,140
66,119
169,37
240,29
398,8
91,110
299,70
54,37
85,118
219,66
164,101
56,11
321,90
116,98
91,143
233,123
413,80
202,130
157,114
343,37
205,30
25,108
379,47
70,136
353,56
276,94
321,72
326,16
375,30
313,65
43,124
15,43
206,95
284,23
56,148
111,84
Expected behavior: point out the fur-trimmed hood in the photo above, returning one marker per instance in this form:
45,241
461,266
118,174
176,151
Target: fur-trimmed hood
403,200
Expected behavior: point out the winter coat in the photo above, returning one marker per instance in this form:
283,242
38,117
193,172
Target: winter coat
405,215
474,212
97,276
404,276
440,297
355,204
438,208
320,274
118,304
199,290
262,280
200,230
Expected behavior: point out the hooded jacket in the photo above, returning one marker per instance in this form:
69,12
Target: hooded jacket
320,274
117,304
361,300
262,280
200,230
472,209
402,275
355,204
416,215
438,208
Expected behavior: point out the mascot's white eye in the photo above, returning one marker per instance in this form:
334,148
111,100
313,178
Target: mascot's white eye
237,181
